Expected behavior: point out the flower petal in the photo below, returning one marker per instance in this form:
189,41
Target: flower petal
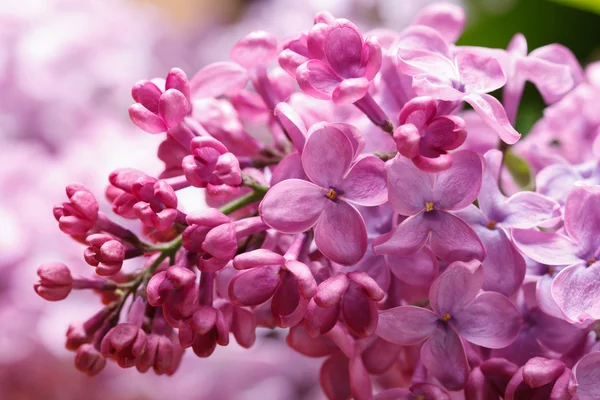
479,73
455,288
452,239
256,49
341,234
406,325
254,286
529,209
458,186
317,79
327,156
448,19
360,312
145,119
545,247
350,90
293,124
444,357
343,48
405,240
504,267
576,290
293,206
582,219
490,320
172,107
492,113
420,269
218,79
587,375
366,183
409,187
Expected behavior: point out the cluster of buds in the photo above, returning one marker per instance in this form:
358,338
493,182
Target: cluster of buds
398,238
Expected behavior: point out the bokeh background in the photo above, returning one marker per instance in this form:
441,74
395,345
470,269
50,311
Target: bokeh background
66,69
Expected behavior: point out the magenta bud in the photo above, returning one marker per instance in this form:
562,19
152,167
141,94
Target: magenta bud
180,277
227,170
158,355
125,343
221,242
331,290
88,360
368,285
104,253
154,294
203,319
79,215
55,281
178,80
222,192
76,337
124,178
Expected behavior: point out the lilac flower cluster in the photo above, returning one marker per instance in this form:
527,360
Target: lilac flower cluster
354,201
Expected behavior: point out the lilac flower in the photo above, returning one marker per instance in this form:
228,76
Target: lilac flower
428,199
338,178
446,18
207,328
552,68
504,267
89,360
333,61
579,248
455,75
104,253
488,319
79,215
425,137
211,164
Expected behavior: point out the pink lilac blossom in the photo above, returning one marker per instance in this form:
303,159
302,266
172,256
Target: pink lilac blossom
414,269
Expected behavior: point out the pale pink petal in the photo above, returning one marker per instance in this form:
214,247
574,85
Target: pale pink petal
448,19
530,209
455,288
350,90
582,219
257,258
545,247
458,186
406,325
438,87
288,168
452,239
372,57
587,375
257,49
219,78
490,320
405,240
340,233
479,73
366,183
146,120
409,187
576,290
327,156
343,48
293,124
493,114
317,79
293,206
254,286
444,357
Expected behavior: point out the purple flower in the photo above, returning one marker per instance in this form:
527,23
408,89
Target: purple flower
458,311
586,379
455,75
428,199
79,215
211,164
426,137
337,179
504,266
579,249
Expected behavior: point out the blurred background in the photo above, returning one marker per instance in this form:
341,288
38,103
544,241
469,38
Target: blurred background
66,70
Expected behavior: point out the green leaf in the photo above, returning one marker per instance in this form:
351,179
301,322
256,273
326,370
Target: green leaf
587,5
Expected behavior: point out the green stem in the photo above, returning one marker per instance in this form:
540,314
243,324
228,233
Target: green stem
258,193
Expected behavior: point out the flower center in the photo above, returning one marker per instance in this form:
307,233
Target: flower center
491,225
332,194
429,206
591,261
446,317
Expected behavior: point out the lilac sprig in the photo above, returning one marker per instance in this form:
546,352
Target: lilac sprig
406,255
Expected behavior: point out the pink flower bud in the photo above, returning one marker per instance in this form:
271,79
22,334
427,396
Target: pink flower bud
125,343
55,281
158,355
78,215
76,336
88,360
104,253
